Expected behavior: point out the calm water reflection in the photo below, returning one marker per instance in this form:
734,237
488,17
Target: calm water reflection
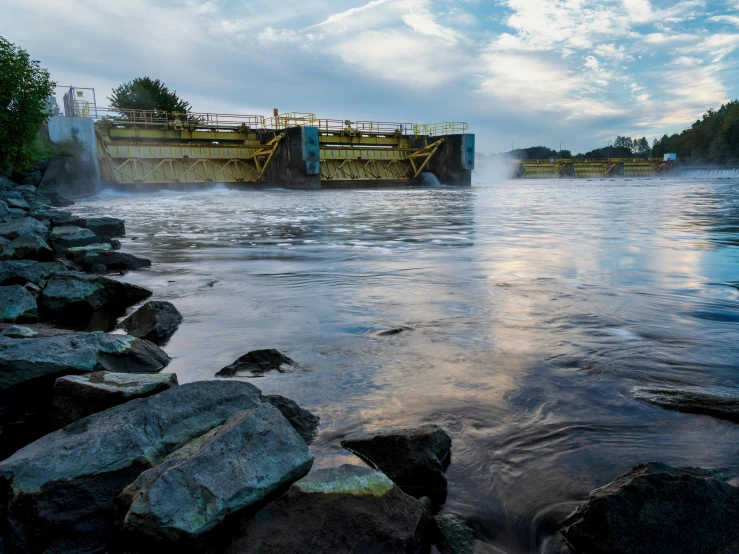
536,308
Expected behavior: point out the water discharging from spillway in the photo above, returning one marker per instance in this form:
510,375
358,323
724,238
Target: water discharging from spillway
711,173
534,307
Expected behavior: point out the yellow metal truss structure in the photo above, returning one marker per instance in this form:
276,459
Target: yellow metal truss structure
366,165
127,163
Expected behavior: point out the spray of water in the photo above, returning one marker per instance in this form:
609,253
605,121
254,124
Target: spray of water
711,172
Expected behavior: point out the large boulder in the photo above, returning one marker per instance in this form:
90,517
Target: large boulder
722,406
29,247
154,321
238,464
68,236
104,226
112,261
451,536
17,304
342,509
23,226
304,422
18,203
414,458
20,272
657,509
256,361
44,358
78,396
61,488
76,296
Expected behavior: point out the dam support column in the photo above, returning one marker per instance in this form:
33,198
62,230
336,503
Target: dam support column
296,163
454,161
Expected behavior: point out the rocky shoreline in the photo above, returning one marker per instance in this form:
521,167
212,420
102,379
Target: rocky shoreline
103,450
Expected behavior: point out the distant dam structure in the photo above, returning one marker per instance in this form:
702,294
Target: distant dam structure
141,149
588,167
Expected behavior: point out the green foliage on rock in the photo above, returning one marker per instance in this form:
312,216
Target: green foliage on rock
713,138
144,93
24,89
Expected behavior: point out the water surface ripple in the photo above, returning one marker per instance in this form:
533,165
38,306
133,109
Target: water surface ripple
536,307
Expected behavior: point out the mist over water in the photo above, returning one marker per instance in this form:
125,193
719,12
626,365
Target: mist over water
536,308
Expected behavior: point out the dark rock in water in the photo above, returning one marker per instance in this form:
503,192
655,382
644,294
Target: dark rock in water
30,247
451,536
657,509
78,396
61,488
253,454
304,422
18,332
256,361
20,272
154,321
115,243
109,259
414,458
102,226
76,296
722,406
23,226
17,304
390,332
342,509
22,361
68,236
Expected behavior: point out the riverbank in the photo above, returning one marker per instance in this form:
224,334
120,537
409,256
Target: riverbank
395,345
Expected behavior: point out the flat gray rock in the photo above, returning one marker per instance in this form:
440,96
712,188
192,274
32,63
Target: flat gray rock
73,296
17,304
65,482
23,226
18,332
20,272
154,321
96,247
113,261
343,509
31,359
104,226
657,509
71,235
251,455
722,406
256,361
78,396
414,458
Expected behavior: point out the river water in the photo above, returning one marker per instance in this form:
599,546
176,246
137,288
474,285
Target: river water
535,309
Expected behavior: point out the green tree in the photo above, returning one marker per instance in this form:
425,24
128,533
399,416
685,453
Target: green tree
24,89
144,93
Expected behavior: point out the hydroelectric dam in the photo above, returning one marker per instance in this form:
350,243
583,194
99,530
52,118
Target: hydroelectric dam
141,149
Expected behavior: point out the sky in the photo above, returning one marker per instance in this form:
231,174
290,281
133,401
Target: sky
520,72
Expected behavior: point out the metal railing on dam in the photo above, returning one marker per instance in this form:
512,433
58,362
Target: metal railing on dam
294,149
588,167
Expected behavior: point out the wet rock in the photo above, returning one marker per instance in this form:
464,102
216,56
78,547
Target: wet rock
451,536
722,406
61,488
30,247
20,272
18,332
304,422
116,244
251,455
76,296
342,509
256,361
75,353
390,332
78,396
154,321
68,236
95,247
112,261
657,509
18,203
3,208
17,304
26,188
414,458
102,226
23,226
